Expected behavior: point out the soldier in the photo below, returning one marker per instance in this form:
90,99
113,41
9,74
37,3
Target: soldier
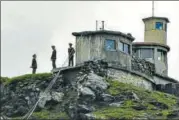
53,57
71,52
34,64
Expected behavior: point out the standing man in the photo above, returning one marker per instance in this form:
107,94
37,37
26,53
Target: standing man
71,52
53,57
34,64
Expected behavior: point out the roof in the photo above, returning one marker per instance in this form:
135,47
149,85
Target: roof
149,18
150,44
86,33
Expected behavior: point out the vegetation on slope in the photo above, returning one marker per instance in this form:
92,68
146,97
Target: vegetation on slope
154,104
39,76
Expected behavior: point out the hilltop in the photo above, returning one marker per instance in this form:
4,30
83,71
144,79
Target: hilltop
92,96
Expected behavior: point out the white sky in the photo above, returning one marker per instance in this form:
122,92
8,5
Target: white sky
29,27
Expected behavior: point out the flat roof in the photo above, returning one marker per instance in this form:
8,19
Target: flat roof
86,33
150,44
149,18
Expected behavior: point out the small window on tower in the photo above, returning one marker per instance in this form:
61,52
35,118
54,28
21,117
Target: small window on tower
159,26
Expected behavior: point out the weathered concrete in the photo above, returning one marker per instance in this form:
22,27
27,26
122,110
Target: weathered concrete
160,67
92,47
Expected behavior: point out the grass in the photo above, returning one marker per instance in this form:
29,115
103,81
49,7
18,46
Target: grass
44,114
125,111
39,76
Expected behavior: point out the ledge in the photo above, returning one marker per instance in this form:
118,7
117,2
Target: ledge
86,33
166,77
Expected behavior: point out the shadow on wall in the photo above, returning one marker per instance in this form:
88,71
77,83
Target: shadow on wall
171,88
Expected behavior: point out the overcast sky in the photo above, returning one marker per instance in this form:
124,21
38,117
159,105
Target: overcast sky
29,27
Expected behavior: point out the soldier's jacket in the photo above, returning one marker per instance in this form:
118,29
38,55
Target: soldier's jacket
53,54
34,63
71,51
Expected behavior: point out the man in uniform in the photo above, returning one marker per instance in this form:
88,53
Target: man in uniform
34,64
71,52
53,57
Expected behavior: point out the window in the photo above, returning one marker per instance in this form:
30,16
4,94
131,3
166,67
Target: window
147,53
110,44
161,55
124,47
159,26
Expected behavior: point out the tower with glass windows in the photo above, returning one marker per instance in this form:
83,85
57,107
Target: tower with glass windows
154,48
156,29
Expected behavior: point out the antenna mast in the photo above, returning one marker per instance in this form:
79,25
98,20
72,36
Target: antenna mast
152,8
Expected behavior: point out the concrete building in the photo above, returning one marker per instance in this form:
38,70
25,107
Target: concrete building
154,48
112,46
142,64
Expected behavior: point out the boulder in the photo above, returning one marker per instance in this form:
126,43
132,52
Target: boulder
57,96
107,98
96,83
45,97
87,93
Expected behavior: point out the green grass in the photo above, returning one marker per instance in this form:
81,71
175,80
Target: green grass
126,111
44,114
39,76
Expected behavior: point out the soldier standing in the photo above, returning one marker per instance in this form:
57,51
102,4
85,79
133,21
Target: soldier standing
71,52
34,64
53,57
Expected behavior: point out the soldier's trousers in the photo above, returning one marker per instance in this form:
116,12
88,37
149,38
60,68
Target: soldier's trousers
70,61
33,70
53,63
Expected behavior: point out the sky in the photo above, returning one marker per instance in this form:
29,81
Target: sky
29,27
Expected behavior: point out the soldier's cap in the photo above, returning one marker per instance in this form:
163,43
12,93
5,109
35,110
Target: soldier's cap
70,44
34,55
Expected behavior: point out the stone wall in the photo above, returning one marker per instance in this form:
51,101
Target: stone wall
171,88
143,66
130,78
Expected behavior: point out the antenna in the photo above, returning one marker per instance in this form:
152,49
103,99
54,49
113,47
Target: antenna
96,25
152,8
102,25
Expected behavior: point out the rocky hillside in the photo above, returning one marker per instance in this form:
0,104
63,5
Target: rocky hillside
92,96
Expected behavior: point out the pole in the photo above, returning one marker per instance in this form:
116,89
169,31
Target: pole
152,8
96,25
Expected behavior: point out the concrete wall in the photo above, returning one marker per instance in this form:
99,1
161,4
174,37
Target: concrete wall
160,67
153,35
159,80
127,77
93,47
82,49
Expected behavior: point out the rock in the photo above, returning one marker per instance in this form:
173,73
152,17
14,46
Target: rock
45,97
84,109
96,82
116,104
107,98
87,93
173,115
88,116
57,96
159,105
139,107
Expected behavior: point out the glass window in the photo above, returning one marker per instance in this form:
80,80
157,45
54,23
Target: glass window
159,25
124,47
120,46
161,55
110,44
147,53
